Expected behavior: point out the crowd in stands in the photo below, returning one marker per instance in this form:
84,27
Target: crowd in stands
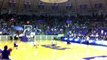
92,25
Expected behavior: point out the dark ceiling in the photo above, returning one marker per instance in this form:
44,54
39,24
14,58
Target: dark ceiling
39,7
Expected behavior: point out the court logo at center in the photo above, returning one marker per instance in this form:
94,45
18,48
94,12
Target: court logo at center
96,58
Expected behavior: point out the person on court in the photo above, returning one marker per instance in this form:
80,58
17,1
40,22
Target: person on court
87,40
35,44
15,45
5,53
54,43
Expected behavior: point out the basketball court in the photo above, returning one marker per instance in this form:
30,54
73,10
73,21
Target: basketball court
26,51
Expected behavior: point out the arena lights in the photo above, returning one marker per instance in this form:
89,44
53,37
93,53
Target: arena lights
54,1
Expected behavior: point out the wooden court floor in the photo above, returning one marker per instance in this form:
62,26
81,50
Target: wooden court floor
26,51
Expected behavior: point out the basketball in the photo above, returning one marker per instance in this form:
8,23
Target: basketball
10,49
